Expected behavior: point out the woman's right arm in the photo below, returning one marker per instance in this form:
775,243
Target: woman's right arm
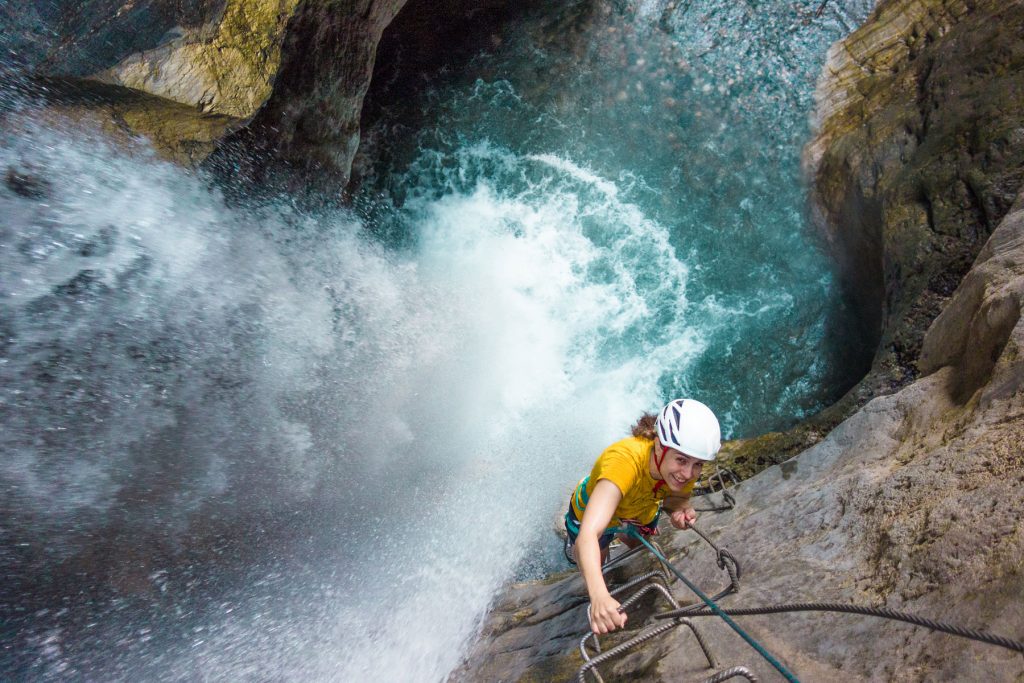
604,609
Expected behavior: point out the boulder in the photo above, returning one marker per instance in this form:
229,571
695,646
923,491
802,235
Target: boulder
182,75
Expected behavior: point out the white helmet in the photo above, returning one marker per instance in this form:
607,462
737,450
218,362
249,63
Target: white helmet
690,427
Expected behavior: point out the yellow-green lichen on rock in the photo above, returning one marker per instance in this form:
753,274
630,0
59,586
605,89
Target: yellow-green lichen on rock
175,131
227,69
194,75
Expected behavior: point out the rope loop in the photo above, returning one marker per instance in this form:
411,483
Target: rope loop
729,563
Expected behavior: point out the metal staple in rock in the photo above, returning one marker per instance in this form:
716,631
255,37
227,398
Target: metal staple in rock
619,649
658,581
728,503
760,649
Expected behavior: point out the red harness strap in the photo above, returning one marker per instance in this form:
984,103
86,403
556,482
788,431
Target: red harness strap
657,464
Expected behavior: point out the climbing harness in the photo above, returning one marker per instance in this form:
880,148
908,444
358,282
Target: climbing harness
658,581
572,525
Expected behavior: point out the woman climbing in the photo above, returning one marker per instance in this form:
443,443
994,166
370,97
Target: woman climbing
630,483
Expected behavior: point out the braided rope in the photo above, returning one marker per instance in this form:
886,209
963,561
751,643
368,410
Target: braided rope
885,613
718,610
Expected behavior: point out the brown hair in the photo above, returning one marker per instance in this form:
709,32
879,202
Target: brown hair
645,427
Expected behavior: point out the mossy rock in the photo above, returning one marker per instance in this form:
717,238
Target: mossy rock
175,131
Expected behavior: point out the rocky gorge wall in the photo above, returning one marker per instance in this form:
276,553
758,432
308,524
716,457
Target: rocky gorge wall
916,159
283,79
912,502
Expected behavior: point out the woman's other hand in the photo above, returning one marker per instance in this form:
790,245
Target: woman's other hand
684,517
606,615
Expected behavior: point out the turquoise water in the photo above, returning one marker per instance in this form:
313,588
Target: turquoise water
312,446
690,118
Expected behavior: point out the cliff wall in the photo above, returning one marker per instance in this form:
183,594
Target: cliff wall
917,158
917,155
190,75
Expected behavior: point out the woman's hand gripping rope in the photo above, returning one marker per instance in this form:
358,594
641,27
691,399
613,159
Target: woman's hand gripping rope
683,518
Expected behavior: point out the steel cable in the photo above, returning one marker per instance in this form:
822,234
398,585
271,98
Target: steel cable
718,610
726,561
883,612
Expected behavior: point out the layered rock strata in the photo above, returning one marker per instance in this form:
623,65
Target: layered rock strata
913,503
918,156
918,153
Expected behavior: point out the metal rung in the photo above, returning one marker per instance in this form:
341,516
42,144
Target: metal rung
652,585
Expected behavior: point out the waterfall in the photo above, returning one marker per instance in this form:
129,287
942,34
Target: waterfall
282,444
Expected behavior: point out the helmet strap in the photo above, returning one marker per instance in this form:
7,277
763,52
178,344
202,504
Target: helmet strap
657,463
659,460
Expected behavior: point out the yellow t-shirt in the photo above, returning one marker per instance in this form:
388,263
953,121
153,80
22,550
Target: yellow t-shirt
626,464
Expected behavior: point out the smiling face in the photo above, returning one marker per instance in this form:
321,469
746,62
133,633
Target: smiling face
676,469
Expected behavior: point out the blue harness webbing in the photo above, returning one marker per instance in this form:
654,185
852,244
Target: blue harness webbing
572,525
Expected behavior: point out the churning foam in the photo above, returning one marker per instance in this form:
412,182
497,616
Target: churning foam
450,393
